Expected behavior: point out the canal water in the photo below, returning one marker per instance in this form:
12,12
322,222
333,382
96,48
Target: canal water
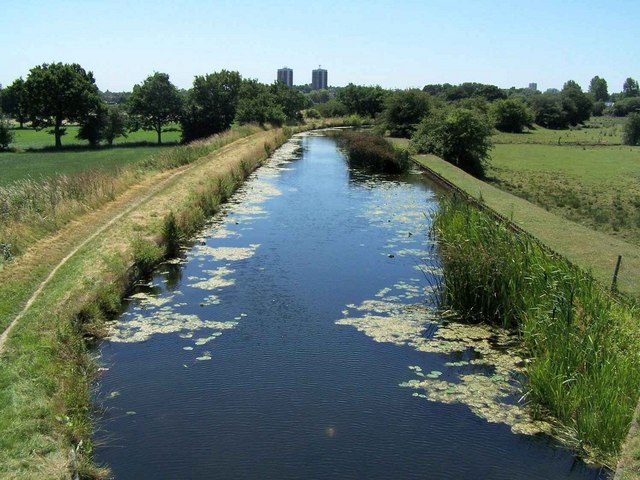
297,339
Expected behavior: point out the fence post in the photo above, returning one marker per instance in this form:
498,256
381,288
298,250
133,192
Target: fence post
615,274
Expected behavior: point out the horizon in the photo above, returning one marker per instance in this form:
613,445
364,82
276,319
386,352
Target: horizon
396,46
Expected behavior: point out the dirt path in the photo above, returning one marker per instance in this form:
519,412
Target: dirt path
61,247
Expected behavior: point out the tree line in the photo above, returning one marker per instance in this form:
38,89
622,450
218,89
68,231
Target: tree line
54,95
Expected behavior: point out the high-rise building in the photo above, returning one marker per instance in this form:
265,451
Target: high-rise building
533,86
319,78
285,75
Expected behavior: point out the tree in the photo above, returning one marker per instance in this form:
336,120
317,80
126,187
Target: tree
107,122
365,101
115,125
92,125
211,104
511,115
626,106
403,110
6,134
576,104
632,130
630,88
598,88
14,101
258,104
548,111
290,100
458,135
333,108
155,103
57,92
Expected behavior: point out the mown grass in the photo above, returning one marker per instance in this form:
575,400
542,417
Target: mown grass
38,166
596,186
47,368
583,344
29,139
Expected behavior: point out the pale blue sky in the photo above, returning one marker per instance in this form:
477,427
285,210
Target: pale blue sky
396,44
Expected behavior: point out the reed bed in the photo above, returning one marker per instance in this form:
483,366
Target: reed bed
582,343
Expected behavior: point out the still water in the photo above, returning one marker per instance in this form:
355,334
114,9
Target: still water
296,339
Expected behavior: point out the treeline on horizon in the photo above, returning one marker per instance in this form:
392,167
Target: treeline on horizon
54,95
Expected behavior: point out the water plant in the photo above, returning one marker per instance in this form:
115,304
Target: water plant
372,152
583,344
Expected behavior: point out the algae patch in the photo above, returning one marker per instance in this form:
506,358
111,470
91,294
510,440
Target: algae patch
483,377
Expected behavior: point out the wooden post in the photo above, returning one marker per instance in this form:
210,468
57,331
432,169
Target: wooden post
615,274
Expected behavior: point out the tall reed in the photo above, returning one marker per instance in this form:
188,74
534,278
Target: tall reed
583,344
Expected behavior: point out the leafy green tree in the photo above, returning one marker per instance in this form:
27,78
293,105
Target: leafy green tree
106,122
115,124
511,115
632,130
548,111
599,89
258,104
92,125
14,101
155,103
57,92
459,136
333,108
211,104
626,106
576,104
630,88
365,101
403,110
290,100
6,134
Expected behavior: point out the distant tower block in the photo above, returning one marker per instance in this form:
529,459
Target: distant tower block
319,78
285,75
533,86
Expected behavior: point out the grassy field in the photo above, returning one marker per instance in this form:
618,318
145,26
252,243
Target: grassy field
27,138
40,165
598,187
597,131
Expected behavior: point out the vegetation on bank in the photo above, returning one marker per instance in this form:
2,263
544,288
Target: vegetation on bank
583,344
371,152
30,209
47,367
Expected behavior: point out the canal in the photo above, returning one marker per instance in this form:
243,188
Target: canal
297,338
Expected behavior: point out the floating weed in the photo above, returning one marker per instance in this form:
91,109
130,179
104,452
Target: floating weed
217,280
227,253
434,374
130,413
205,340
461,363
146,300
187,348
113,394
210,300
142,327
205,356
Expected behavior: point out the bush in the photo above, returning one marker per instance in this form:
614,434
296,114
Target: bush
511,115
373,153
6,134
632,130
459,136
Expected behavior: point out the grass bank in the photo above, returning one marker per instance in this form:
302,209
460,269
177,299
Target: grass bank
31,209
46,368
583,345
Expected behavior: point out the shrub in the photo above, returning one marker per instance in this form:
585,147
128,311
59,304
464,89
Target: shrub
632,130
511,115
6,134
373,153
459,136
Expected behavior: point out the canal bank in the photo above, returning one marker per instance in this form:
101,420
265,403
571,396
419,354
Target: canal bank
46,370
